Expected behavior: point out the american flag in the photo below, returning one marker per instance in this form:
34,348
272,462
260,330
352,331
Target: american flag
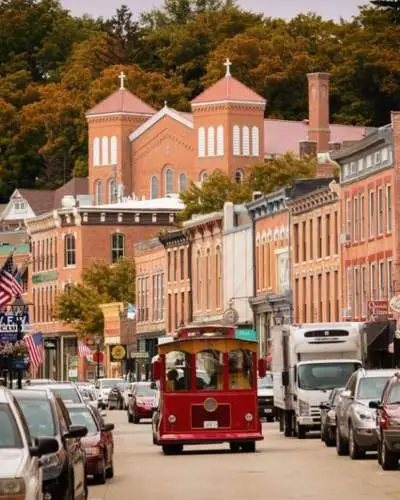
35,349
9,282
84,351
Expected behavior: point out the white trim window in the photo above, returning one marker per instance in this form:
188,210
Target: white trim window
363,292
114,150
182,182
220,140
389,278
372,280
349,272
202,142
255,141
96,151
356,293
69,250
98,193
389,211
348,216
380,211
211,141
371,214
362,216
246,141
117,247
203,177
381,279
112,191
236,140
355,219
239,176
154,194
104,150
169,181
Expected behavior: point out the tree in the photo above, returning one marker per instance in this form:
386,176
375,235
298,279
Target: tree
79,304
264,177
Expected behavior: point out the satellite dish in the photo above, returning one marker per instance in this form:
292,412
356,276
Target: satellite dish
231,316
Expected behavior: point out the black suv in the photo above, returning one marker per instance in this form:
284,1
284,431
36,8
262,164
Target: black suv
64,471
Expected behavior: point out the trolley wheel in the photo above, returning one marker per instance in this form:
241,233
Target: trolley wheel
234,447
249,447
172,449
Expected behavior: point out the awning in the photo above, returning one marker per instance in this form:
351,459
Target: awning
380,335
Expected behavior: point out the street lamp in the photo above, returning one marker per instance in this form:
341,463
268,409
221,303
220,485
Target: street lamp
19,308
97,341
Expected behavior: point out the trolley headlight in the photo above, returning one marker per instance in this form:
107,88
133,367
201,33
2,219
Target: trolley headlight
210,405
172,419
249,417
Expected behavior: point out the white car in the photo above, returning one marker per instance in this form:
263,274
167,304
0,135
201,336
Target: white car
20,474
103,387
126,394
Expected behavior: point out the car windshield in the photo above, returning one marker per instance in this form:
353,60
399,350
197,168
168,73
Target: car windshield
145,391
108,383
39,416
394,395
82,416
266,382
69,395
325,376
10,436
371,387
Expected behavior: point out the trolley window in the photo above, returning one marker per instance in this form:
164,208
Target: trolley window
240,369
210,370
177,365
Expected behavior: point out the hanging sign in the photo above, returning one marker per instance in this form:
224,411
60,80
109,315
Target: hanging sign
117,352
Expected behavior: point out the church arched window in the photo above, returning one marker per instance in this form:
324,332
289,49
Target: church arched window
98,192
236,140
96,151
169,181
112,191
154,187
182,182
211,141
255,141
220,140
202,142
203,177
104,151
114,150
239,176
246,141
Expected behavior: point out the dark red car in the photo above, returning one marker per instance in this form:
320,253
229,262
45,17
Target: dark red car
388,424
142,401
98,443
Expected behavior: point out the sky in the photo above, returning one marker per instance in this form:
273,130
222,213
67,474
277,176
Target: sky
282,8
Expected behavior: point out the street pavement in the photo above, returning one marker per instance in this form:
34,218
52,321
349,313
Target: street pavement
281,469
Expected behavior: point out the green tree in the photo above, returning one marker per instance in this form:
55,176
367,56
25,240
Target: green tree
79,305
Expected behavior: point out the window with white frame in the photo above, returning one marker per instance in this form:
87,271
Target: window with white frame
377,157
113,191
208,279
349,272
203,177
381,279
246,141
255,141
69,250
389,208
380,211
198,280
114,150
218,272
202,142
353,167
356,293
117,247
98,192
363,292
361,164
362,217
154,188
384,155
236,140
346,170
369,161
355,219
182,182
211,141
348,216
389,278
371,214
96,151
104,151
239,176
220,140
169,181
372,280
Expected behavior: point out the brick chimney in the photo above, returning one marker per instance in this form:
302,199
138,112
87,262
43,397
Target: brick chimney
318,110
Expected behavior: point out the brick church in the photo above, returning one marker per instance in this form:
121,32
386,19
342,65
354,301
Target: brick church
137,151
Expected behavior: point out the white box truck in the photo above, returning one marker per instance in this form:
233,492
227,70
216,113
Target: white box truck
308,361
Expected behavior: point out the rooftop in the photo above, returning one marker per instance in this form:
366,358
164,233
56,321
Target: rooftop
170,203
121,101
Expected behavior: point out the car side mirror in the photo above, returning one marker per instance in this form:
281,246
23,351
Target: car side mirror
375,405
76,431
108,427
346,394
44,446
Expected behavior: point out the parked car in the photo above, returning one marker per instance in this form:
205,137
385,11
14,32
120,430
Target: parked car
142,401
89,396
103,387
63,470
328,418
388,424
68,392
355,421
265,398
125,394
98,444
20,473
116,396
38,381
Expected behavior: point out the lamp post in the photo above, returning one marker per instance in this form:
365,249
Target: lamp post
19,307
98,342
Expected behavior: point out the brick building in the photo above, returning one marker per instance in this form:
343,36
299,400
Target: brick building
315,258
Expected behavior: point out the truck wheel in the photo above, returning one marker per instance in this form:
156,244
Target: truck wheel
287,424
389,460
281,421
355,451
301,431
342,447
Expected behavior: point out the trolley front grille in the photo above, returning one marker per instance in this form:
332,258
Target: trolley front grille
203,419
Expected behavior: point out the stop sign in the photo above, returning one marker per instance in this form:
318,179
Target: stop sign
98,357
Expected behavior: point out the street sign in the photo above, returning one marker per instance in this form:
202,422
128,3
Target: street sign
378,309
98,356
9,324
139,355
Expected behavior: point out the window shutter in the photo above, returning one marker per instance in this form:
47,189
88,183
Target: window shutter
220,141
255,137
96,151
114,148
211,141
246,141
104,151
236,140
202,142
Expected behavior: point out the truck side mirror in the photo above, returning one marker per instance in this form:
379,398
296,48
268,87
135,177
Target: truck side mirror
285,378
156,369
262,367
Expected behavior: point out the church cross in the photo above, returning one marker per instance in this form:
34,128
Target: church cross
122,77
228,65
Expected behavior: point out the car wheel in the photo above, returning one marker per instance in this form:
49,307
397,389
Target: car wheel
355,451
342,447
330,439
300,431
130,417
234,447
110,470
389,460
100,478
136,419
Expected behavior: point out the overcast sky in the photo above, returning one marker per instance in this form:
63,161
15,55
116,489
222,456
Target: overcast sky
282,8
